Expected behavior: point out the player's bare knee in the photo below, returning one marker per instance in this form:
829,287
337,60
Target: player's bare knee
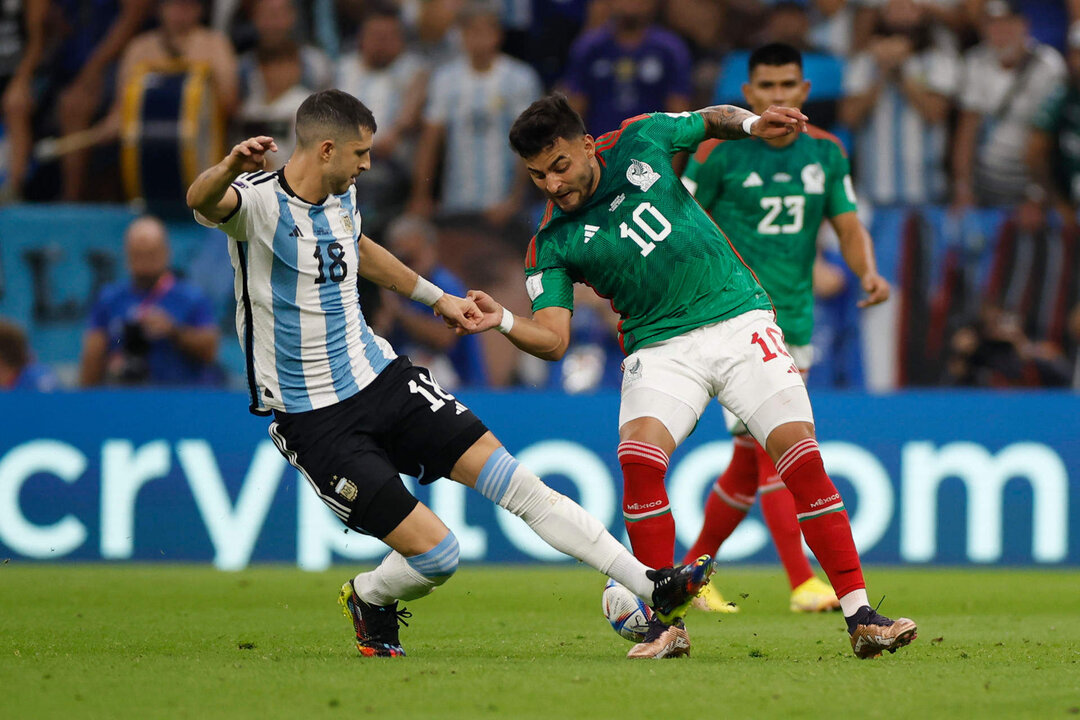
438,563
783,437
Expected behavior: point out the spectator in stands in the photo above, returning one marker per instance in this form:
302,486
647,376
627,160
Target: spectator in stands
471,104
153,328
898,97
789,23
18,370
410,326
277,76
627,67
993,351
181,37
392,82
1054,147
1006,79
69,50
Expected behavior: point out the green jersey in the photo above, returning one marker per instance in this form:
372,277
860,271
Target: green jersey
771,202
642,241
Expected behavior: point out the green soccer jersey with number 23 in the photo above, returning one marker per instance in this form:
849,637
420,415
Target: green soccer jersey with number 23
643,241
771,202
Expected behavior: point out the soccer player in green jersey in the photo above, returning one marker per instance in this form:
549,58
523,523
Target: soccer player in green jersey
695,324
771,196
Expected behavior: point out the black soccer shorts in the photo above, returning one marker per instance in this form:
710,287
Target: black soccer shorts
351,452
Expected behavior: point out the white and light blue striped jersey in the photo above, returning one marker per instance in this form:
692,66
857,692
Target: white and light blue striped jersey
298,314
382,89
900,155
477,110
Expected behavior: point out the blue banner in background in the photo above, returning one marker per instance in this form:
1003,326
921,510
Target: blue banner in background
952,478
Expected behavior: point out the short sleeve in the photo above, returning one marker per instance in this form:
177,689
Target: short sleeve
1048,116
840,194
242,222
972,94
99,314
671,132
547,280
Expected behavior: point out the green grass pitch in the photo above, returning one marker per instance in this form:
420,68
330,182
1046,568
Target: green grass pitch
93,641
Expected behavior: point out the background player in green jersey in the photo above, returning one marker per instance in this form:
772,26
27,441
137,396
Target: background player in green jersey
771,196
695,322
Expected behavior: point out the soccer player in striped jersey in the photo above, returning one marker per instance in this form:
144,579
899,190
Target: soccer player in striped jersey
349,413
695,324
772,195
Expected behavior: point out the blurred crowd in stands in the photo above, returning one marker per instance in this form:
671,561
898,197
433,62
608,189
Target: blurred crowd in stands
960,103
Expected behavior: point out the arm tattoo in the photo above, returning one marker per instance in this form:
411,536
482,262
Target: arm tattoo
724,122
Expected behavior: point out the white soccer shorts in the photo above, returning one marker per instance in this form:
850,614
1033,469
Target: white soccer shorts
743,362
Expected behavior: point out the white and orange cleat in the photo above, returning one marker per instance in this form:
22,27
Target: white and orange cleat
662,641
872,633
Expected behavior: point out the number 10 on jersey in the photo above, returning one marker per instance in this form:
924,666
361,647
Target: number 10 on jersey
646,226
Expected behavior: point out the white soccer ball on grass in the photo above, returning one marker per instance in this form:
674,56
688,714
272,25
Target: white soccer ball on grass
628,614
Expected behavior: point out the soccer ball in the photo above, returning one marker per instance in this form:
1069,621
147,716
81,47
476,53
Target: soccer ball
628,614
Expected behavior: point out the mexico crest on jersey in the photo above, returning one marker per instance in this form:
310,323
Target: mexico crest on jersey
641,174
813,179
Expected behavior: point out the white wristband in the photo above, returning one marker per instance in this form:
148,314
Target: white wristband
748,122
507,322
426,292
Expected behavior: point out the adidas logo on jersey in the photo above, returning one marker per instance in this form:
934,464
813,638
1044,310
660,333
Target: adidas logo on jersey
590,230
753,180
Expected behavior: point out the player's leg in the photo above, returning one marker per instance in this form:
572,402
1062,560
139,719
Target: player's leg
765,387
566,526
355,478
446,439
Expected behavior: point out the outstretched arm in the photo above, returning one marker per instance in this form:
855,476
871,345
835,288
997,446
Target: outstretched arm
209,195
379,265
546,335
728,122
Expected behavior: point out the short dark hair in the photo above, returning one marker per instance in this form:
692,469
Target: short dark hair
774,55
544,122
381,9
333,112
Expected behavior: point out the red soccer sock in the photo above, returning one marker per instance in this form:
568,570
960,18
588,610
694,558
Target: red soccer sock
645,503
730,500
778,508
821,515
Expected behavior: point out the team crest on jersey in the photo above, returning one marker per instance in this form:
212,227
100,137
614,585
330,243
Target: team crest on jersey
346,220
641,174
813,179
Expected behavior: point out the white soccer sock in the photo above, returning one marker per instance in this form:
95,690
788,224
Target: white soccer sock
567,527
394,579
854,600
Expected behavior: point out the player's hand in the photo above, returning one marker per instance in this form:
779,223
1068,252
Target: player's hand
491,312
458,312
876,289
777,122
250,155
